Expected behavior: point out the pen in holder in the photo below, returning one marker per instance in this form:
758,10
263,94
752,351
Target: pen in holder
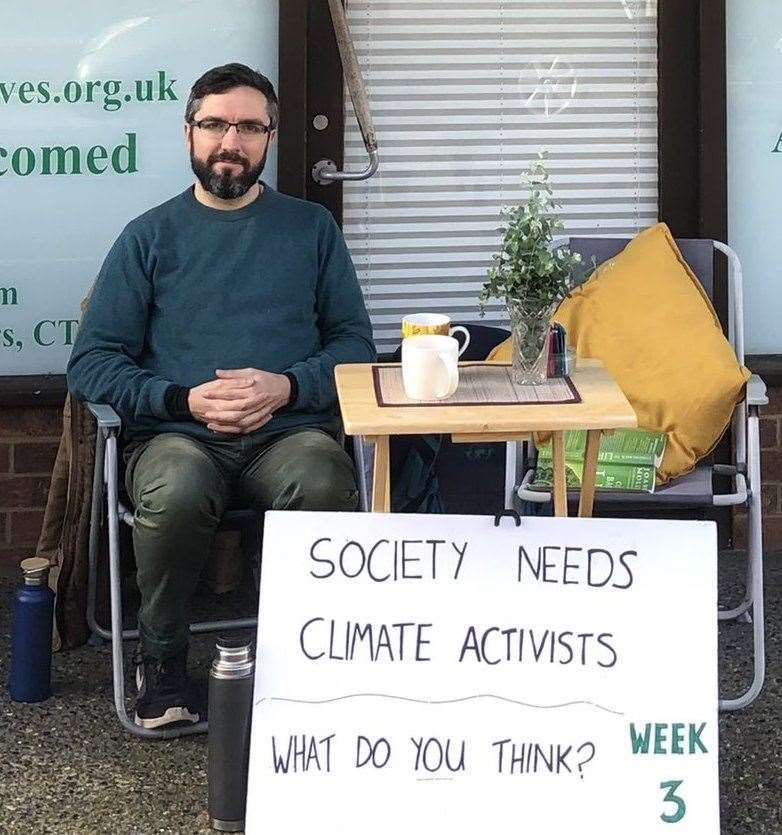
561,359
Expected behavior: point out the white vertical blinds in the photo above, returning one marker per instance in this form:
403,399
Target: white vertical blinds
464,93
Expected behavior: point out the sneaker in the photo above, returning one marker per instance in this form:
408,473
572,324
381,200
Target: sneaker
163,691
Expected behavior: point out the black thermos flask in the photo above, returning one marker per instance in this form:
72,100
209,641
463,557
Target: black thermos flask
230,713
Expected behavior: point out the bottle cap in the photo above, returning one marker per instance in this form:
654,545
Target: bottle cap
233,642
234,658
36,571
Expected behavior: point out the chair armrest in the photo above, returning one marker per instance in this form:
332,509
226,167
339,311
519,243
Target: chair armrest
106,416
756,392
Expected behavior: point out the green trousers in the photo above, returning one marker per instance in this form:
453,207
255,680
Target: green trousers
180,488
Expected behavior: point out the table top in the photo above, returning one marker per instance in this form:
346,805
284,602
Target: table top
602,406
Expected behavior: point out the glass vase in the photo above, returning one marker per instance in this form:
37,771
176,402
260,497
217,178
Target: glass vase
529,323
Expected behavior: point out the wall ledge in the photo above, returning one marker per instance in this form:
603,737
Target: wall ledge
32,390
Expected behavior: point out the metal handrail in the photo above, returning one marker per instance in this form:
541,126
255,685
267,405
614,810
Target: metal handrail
325,171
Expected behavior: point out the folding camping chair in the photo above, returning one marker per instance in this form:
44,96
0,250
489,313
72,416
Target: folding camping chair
696,489
105,484
106,473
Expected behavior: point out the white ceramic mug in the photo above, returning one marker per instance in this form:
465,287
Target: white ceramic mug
419,324
430,366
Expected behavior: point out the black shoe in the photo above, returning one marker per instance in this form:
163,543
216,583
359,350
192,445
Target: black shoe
164,697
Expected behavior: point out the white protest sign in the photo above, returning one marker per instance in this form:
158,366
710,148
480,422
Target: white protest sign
422,674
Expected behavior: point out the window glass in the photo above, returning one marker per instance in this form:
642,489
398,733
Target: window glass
463,96
754,84
92,100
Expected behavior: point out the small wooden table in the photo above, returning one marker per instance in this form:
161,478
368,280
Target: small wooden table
603,407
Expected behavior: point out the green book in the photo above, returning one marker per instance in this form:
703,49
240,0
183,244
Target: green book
623,446
635,477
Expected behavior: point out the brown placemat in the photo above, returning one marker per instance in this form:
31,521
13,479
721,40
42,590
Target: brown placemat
479,385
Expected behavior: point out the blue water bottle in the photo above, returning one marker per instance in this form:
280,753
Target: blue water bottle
31,637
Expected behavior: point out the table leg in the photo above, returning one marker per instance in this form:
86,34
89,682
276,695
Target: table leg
361,450
560,480
381,479
590,467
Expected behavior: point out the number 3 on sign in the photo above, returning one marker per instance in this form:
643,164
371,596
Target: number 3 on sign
671,797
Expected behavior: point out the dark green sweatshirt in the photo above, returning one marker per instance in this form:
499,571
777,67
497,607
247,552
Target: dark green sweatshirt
187,289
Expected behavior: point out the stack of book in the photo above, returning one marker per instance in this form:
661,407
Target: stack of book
627,460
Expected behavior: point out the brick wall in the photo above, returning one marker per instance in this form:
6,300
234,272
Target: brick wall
28,444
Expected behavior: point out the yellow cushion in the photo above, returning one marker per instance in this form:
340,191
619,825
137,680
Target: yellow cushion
646,316
501,352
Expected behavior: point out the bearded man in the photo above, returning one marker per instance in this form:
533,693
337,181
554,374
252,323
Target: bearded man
213,331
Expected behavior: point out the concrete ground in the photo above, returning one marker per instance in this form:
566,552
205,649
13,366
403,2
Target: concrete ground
67,767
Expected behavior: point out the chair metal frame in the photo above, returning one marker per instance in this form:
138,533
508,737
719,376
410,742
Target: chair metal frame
105,484
744,471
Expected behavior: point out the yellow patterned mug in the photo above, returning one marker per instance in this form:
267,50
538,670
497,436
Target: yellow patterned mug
433,324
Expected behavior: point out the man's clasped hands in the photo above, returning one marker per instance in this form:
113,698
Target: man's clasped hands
239,401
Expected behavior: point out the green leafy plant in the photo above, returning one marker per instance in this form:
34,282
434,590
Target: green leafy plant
526,270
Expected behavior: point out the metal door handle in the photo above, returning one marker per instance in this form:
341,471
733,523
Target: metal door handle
325,172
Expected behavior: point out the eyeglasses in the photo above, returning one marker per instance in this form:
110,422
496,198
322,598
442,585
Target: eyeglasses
247,131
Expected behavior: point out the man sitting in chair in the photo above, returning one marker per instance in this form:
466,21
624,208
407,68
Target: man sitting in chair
213,330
